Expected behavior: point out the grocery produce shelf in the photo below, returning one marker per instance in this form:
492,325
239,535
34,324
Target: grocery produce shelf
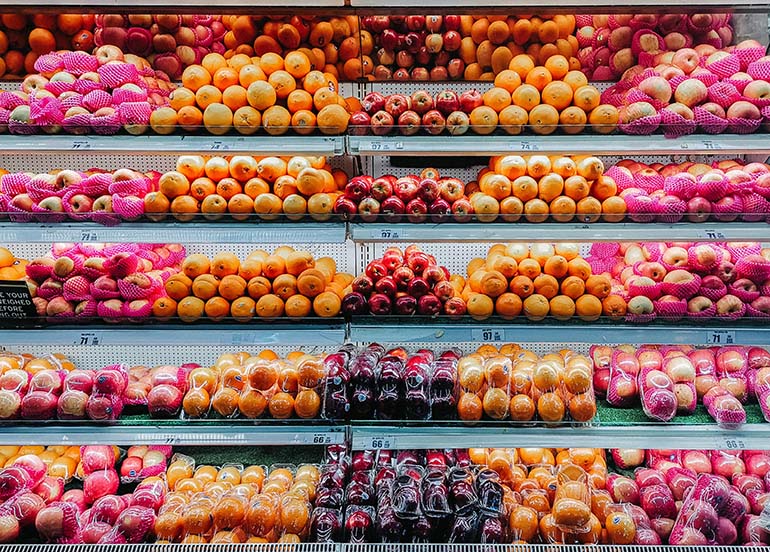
552,232
441,331
507,435
258,333
172,432
181,6
616,144
196,232
173,145
551,6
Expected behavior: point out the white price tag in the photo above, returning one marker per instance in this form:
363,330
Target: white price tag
386,234
711,145
89,236
219,145
381,442
89,338
528,146
720,337
80,145
710,235
730,443
488,334
158,438
319,439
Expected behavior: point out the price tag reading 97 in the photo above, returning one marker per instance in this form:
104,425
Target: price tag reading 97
488,334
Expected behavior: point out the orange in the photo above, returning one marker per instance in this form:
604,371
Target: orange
327,304
276,120
243,309
550,407
270,63
235,97
558,94
508,80
544,119
261,95
225,77
282,82
521,63
522,408
538,77
526,96
620,528
218,118
497,98
604,119
212,62
249,74
483,120
297,64
181,97
190,309
558,66
225,402
573,120
576,79
314,81
281,405
195,76
299,99
469,407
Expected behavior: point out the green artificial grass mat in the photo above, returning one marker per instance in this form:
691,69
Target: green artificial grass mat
607,415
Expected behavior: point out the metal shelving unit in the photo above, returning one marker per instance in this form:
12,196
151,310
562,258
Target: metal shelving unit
175,433
173,145
627,436
198,232
264,333
438,331
554,232
614,144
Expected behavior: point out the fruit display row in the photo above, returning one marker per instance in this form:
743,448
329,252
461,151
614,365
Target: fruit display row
525,96
375,383
105,281
511,188
611,44
244,187
488,496
689,89
285,283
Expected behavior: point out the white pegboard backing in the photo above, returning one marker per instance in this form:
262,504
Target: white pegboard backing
83,161
342,253
454,256
97,357
409,87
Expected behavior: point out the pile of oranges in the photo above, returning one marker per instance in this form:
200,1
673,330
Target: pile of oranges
61,460
334,44
234,504
558,496
11,267
243,187
513,383
255,385
537,280
539,188
247,94
547,97
285,283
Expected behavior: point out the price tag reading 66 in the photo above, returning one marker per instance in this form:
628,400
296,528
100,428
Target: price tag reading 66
382,442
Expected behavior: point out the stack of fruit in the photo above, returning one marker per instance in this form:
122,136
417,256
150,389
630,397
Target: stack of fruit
725,191
540,280
518,384
23,38
79,93
274,93
541,98
693,280
109,281
405,283
169,42
285,283
464,47
246,187
714,90
610,44
251,386
235,504
11,267
97,196
334,44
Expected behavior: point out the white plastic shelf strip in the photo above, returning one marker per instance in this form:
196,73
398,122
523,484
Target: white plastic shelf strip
189,432
194,232
470,144
434,332
555,232
459,435
173,145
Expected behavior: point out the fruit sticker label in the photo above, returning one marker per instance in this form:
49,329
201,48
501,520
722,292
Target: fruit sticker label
15,302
